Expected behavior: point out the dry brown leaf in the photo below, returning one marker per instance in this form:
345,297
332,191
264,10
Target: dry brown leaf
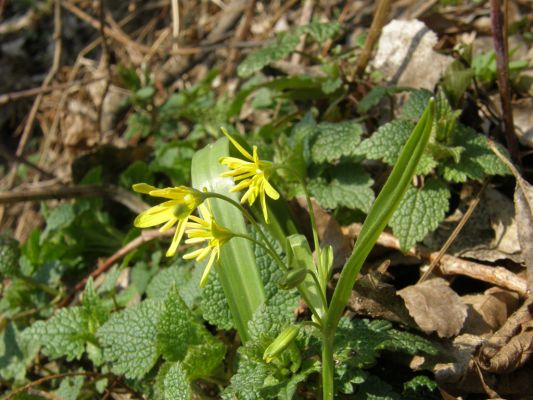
487,312
435,307
511,346
377,299
523,200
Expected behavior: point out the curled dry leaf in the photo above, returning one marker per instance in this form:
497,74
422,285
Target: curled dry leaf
488,312
435,307
523,200
511,346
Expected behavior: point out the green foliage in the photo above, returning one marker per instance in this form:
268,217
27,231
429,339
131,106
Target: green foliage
335,140
350,187
9,256
134,339
455,153
420,212
71,331
284,45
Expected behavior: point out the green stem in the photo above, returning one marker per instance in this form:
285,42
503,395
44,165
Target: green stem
327,366
272,254
319,287
301,181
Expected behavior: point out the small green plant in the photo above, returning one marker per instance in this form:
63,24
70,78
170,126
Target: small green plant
212,315
298,270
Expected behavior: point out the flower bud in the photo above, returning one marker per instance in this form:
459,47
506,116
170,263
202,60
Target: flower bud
292,278
279,344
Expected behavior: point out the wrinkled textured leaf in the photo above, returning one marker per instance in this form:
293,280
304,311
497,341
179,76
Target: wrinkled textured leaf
387,142
283,46
435,307
175,384
129,339
320,31
61,335
214,305
180,337
336,140
420,212
477,160
15,353
351,187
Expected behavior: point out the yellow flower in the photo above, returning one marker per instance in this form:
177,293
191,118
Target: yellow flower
252,174
206,230
183,201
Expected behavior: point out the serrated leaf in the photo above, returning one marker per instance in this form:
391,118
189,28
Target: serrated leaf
321,31
373,97
387,142
60,217
284,44
70,388
336,140
215,308
175,384
420,212
350,187
15,353
62,335
416,104
477,160
182,274
129,339
280,302
181,337
248,381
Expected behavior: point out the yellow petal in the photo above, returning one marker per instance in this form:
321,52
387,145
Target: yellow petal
177,237
208,267
153,216
270,191
237,145
175,193
196,240
263,206
170,223
143,188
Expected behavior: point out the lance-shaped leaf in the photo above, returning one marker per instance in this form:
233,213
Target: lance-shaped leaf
381,212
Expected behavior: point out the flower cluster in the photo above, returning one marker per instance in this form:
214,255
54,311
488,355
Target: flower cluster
251,174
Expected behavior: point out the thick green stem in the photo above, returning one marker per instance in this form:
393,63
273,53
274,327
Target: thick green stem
327,366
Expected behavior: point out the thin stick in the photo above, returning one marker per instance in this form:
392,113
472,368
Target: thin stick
66,375
451,265
67,192
53,70
119,36
106,58
380,17
147,235
499,38
455,232
14,96
175,23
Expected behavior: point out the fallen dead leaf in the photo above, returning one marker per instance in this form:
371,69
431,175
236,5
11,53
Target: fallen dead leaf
511,346
488,312
435,307
523,200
